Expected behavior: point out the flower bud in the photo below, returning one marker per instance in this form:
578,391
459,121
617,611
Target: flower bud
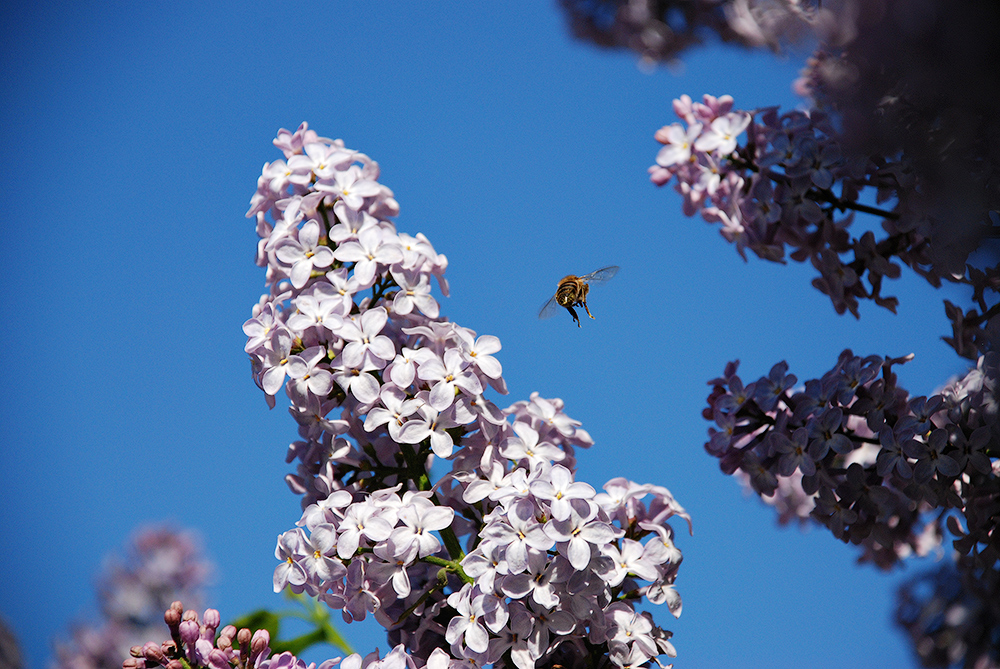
152,652
259,644
189,631
212,618
172,616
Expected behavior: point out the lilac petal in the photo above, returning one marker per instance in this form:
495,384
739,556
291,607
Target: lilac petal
401,583
365,388
377,529
437,518
373,320
489,366
442,395
948,466
364,272
349,252
561,622
382,347
353,354
516,585
413,432
296,367
402,303
322,256
389,254
300,273
441,444
578,552
517,557
273,379
402,374
476,638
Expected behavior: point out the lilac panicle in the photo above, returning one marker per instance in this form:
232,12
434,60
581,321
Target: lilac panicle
505,559
814,454
783,186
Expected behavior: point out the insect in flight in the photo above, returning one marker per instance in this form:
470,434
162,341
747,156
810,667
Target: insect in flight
572,292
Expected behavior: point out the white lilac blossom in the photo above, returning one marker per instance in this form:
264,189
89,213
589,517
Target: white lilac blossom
505,559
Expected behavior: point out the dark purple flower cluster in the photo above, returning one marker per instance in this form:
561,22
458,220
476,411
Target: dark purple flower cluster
855,453
952,616
198,643
161,565
897,76
783,191
504,560
659,30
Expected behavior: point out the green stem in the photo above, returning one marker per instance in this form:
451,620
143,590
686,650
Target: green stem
451,566
420,600
452,544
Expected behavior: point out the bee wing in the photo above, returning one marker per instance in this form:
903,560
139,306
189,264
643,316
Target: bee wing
550,307
601,275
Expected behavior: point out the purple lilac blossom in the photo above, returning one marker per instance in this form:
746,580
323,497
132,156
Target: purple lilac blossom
790,190
160,565
505,559
812,453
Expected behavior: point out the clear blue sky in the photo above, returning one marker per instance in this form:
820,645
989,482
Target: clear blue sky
133,135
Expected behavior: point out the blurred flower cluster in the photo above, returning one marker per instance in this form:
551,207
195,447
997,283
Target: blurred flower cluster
952,616
914,82
160,566
659,30
505,559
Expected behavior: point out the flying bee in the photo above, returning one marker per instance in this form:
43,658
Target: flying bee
572,292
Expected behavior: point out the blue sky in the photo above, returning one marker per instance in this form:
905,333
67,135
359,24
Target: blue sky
134,134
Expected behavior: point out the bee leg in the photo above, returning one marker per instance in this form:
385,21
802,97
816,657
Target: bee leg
576,319
588,310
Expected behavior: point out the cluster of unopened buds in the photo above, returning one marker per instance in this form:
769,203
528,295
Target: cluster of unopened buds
853,451
196,642
159,564
505,559
789,190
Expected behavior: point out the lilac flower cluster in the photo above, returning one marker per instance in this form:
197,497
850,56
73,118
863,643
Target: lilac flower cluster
659,30
198,643
506,559
855,453
783,190
161,565
897,76
952,616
